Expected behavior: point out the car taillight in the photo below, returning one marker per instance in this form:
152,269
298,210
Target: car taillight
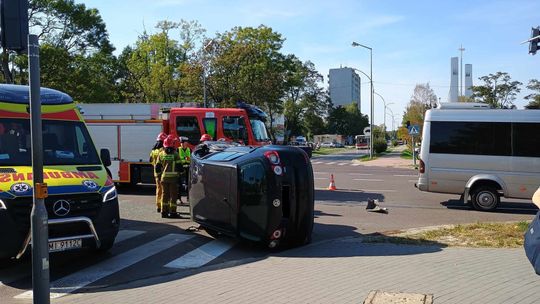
273,157
422,167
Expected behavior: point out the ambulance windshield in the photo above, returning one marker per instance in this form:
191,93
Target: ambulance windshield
64,143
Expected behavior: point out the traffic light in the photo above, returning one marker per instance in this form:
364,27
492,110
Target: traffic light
14,24
535,40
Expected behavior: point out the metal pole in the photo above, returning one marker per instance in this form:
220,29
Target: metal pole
40,233
413,152
372,91
204,85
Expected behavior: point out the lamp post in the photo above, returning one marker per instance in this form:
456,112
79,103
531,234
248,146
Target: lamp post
393,120
204,70
355,44
385,105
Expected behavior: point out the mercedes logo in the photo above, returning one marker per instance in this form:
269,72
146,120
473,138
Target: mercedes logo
90,184
61,207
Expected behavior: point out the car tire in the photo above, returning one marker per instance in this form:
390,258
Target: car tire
106,245
485,198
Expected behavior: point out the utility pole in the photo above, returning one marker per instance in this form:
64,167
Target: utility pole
461,49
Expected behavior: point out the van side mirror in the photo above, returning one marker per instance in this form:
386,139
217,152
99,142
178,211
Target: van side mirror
105,157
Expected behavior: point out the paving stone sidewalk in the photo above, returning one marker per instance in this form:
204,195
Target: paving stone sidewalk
344,271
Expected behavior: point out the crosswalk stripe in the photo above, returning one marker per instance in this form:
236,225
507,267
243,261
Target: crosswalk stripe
330,163
82,278
202,255
126,235
20,271
355,165
342,164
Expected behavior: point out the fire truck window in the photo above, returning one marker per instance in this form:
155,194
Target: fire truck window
210,127
234,128
187,126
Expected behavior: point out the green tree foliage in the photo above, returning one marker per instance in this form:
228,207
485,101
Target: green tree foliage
423,98
76,55
304,98
347,120
498,90
534,98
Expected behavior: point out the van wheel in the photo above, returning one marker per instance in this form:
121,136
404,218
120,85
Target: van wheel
485,198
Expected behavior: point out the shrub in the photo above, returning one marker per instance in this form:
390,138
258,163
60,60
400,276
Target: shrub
379,145
394,143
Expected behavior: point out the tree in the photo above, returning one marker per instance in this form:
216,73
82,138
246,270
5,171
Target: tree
76,55
347,120
423,98
498,90
534,98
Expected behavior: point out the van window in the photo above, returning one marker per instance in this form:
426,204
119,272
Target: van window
475,138
64,143
234,128
210,127
526,139
187,126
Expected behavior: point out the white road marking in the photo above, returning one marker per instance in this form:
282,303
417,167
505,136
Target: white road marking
316,162
126,235
78,280
202,255
20,271
406,175
368,180
413,180
355,164
330,163
342,164
363,174
320,178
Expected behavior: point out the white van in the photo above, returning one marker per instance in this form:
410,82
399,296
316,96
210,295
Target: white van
481,153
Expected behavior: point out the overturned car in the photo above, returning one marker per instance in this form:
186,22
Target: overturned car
262,194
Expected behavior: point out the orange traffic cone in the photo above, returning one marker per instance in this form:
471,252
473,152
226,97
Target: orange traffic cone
332,185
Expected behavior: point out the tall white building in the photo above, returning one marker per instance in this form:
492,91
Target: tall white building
468,80
454,85
344,87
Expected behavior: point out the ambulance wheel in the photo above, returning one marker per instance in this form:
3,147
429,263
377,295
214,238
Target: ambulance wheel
106,245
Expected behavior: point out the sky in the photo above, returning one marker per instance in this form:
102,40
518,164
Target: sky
412,41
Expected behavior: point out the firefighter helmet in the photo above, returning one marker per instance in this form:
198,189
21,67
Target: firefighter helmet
170,142
206,137
161,137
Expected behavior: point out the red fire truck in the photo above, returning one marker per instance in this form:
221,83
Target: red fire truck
129,131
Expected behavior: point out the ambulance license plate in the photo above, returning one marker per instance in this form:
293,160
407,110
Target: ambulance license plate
65,245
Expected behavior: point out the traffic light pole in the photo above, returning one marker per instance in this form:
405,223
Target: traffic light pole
38,217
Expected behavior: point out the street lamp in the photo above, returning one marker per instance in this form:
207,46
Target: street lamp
385,104
355,44
393,120
204,69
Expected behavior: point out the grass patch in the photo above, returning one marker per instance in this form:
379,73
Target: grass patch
406,154
364,158
491,235
328,151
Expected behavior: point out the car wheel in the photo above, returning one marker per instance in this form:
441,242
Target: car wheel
106,245
485,198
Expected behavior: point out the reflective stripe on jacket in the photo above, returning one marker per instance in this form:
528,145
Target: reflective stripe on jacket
169,166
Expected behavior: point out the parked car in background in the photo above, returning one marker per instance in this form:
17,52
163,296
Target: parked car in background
327,145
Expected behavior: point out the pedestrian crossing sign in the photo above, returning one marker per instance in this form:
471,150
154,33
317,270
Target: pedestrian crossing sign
414,130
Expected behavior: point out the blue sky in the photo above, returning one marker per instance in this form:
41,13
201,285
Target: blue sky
412,41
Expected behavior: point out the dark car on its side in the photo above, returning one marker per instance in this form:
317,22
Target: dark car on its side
261,194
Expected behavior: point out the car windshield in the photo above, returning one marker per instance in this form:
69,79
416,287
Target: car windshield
64,143
259,130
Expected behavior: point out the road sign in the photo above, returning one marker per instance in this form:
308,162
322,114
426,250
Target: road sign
414,130
367,130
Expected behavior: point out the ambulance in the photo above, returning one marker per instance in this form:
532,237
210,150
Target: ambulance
82,203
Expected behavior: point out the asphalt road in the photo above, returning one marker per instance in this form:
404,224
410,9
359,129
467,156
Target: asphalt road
149,246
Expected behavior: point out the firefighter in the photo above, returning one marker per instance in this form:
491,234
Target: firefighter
158,147
169,165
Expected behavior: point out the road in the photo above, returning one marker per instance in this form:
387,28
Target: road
149,246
